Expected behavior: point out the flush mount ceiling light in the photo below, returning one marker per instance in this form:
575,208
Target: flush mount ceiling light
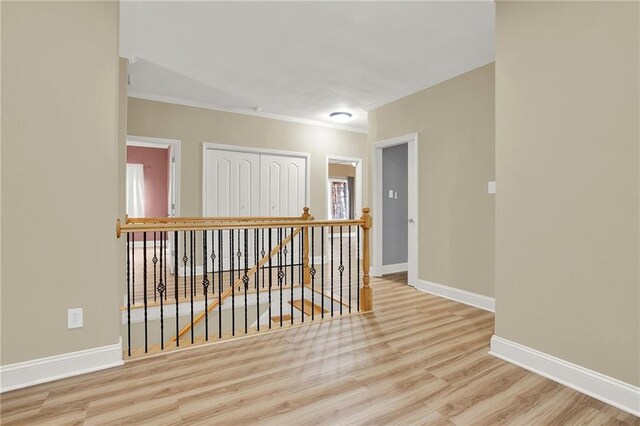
340,116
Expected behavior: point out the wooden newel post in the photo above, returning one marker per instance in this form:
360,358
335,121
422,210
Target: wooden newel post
366,295
306,271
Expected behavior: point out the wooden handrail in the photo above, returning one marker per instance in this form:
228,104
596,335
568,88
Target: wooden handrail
183,219
238,282
298,223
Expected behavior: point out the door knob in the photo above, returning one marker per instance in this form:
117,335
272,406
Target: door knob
411,220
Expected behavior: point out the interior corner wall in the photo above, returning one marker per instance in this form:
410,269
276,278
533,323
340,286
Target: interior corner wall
568,174
123,72
194,126
455,125
59,175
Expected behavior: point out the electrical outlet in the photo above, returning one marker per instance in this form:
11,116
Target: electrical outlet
74,318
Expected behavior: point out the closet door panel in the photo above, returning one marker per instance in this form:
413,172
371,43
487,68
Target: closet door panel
232,188
284,185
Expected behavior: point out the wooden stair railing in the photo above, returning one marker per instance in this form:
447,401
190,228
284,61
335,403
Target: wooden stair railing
178,285
238,282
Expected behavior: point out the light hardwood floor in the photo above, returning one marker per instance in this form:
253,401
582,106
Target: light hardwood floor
418,359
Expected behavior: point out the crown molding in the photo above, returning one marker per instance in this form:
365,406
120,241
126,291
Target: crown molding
442,78
261,114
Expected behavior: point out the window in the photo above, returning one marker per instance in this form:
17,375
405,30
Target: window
340,199
135,190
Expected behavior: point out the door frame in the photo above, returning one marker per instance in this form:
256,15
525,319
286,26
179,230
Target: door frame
174,176
357,202
412,204
237,148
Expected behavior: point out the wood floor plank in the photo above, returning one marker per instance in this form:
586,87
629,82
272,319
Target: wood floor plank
417,359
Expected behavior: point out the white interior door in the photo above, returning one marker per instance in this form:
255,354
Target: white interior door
232,186
283,193
283,185
232,183
252,184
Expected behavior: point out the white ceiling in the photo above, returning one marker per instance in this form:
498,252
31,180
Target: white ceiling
300,59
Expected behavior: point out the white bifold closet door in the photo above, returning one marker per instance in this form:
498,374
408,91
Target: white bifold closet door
232,184
282,186
232,188
252,184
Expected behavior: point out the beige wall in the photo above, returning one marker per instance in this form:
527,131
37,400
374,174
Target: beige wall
59,179
567,162
341,170
193,126
455,125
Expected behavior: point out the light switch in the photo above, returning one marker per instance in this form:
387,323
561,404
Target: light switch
391,193
395,195
491,187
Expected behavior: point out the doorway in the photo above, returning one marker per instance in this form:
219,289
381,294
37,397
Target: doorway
153,177
395,204
344,187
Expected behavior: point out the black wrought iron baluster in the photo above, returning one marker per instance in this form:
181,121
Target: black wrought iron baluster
128,295
232,283
205,281
300,269
331,265
184,260
239,255
270,276
175,281
144,287
281,273
191,282
349,265
262,254
220,280
322,270
155,264
257,279
341,269
161,290
245,279
133,269
312,272
192,262
358,268
166,243
292,274
285,252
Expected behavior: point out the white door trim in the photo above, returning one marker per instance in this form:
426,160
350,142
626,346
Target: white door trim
376,244
148,142
235,148
357,203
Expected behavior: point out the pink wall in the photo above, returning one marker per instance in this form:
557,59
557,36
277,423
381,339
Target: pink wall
156,178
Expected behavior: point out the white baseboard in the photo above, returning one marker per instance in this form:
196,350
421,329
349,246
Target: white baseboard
396,267
477,300
29,373
604,388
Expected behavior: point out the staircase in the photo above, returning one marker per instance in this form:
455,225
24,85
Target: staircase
197,280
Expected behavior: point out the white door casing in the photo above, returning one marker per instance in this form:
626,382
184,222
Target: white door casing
413,225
